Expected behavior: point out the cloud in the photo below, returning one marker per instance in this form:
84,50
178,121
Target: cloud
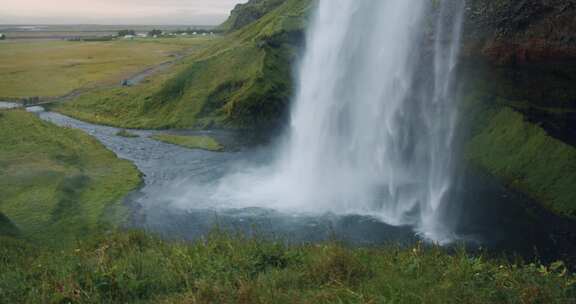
117,11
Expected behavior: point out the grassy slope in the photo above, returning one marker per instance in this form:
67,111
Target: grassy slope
192,142
137,268
242,80
53,68
530,160
58,184
507,145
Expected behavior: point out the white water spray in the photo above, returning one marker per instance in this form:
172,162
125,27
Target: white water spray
372,127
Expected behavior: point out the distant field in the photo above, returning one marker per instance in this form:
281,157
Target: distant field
54,68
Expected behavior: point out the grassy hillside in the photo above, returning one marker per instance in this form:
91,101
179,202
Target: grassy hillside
518,129
241,81
58,184
137,268
528,159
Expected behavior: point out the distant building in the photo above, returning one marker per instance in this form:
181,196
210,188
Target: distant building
141,35
129,37
2,36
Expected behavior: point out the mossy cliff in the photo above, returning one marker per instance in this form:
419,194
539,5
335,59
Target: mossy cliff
520,99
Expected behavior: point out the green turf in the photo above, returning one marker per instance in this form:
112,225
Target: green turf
137,268
59,184
192,142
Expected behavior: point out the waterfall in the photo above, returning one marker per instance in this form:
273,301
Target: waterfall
374,118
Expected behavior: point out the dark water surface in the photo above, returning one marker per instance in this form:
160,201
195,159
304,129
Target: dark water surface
490,215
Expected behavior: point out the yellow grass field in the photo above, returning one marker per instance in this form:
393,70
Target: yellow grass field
54,68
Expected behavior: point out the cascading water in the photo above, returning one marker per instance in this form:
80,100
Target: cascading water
373,124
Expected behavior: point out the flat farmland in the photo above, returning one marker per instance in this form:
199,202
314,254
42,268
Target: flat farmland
46,68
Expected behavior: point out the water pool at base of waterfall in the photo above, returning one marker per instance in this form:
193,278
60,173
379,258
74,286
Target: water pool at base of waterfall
493,216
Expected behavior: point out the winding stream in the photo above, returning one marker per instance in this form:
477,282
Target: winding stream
179,200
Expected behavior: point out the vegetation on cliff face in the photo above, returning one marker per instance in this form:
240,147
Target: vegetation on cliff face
246,13
529,159
137,268
242,80
57,184
520,64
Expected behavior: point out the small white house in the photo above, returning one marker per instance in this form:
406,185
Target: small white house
141,35
129,37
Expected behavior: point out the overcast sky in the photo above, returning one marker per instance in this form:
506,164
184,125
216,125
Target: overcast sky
165,12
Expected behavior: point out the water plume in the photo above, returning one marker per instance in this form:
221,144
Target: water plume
373,124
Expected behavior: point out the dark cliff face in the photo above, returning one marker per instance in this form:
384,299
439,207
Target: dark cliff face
529,47
521,31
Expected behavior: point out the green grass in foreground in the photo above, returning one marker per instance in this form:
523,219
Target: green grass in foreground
58,184
137,268
192,142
